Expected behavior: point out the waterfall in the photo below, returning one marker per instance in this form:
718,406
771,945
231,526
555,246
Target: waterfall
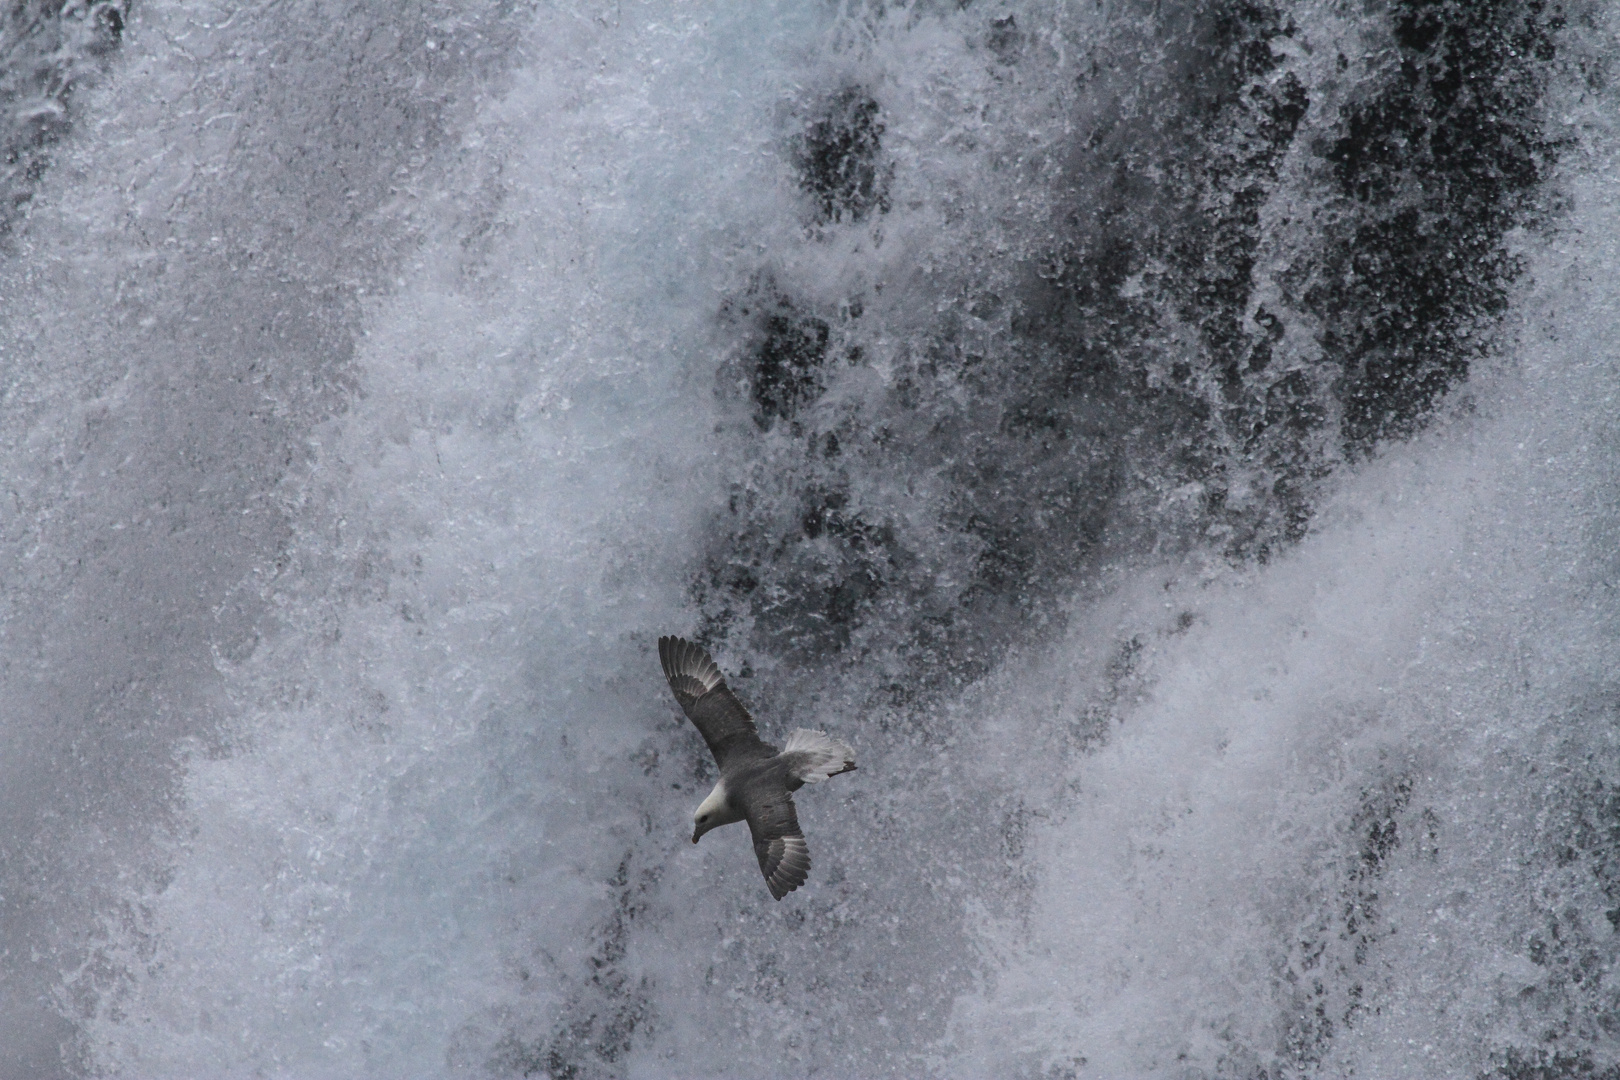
1174,443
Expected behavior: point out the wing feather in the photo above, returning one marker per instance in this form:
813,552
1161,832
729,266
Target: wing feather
711,706
784,857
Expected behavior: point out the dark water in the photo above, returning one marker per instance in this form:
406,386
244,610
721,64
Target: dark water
1174,443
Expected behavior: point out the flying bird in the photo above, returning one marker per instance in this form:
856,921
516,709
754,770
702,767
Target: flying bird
757,780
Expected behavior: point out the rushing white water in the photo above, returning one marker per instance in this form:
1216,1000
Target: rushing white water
1332,803
382,380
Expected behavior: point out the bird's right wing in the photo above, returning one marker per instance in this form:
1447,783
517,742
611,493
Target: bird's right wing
711,706
784,857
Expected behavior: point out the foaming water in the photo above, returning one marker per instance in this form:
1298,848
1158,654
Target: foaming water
508,500
180,304
1322,838
1010,391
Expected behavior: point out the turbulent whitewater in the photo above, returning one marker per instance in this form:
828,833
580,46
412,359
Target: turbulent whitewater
1176,444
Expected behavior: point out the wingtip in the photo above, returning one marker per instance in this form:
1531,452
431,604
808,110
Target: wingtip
792,868
688,666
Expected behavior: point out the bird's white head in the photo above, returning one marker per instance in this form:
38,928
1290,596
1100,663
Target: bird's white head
713,812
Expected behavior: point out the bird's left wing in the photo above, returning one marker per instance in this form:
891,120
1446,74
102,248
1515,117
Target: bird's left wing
784,857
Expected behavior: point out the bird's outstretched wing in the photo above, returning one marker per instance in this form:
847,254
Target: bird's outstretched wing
719,717
784,857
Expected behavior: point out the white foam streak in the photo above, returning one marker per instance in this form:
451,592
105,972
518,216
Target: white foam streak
1423,670
488,539
432,837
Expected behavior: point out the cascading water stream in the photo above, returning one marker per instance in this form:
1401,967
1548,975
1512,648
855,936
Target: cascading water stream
1173,443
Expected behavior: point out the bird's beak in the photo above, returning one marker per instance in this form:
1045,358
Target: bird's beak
695,835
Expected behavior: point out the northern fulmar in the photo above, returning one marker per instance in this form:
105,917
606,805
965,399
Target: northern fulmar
756,780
